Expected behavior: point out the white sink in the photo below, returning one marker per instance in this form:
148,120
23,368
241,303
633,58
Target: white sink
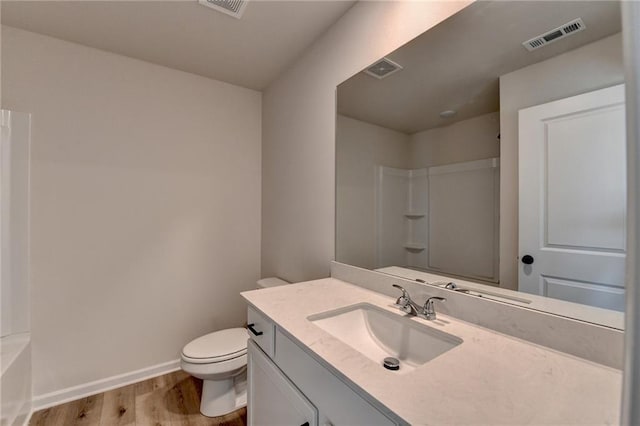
377,334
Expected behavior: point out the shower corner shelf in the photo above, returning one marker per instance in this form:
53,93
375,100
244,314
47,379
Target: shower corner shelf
415,246
414,215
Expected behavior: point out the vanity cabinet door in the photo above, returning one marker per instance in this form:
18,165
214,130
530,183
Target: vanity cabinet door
336,402
272,399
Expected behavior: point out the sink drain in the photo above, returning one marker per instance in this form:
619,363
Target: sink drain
391,363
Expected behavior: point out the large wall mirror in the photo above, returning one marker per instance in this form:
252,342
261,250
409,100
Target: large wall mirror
488,156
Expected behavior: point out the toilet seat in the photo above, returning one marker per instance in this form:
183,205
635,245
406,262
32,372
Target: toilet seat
216,370
219,346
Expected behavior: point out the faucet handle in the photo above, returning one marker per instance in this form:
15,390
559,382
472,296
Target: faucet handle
399,287
404,299
429,310
403,302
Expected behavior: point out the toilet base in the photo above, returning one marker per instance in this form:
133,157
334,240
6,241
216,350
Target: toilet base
221,397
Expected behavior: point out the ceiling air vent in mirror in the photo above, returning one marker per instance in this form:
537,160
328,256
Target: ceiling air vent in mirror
383,68
233,8
556,34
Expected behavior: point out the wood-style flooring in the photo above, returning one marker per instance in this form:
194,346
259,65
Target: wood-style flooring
169,400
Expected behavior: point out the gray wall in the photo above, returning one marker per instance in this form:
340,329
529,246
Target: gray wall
360,148
145,206
467,140
299,116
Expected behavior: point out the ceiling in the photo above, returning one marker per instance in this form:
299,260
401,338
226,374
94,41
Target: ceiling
250,52
457,64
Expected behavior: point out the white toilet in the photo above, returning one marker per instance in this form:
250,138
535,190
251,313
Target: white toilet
220,360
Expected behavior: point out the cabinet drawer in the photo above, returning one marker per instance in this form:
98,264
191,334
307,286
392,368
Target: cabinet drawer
261,330
336,402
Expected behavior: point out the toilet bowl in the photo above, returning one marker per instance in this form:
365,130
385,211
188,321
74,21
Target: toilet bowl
220,360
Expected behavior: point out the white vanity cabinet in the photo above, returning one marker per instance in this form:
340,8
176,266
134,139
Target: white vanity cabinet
292,388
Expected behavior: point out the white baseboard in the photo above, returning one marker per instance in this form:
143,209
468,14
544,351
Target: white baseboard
24,415
26,419
81,391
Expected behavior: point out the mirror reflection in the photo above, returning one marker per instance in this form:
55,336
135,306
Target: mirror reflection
493,158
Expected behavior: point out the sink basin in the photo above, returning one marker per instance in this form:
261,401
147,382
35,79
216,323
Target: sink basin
377,334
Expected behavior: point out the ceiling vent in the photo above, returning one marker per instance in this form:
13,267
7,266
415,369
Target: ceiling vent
563,31
383,68
233,8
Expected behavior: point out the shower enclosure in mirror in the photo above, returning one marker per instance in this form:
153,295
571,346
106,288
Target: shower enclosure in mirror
490,152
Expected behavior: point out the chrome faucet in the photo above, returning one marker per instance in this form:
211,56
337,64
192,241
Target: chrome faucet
405,304
455,287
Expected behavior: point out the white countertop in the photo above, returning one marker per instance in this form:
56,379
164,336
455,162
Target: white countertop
490,378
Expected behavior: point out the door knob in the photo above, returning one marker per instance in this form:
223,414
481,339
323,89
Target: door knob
527,259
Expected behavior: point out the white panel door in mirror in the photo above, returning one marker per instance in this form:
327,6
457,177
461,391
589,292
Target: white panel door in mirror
573,198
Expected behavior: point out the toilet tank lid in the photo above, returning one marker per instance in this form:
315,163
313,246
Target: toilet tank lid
271,282
218,344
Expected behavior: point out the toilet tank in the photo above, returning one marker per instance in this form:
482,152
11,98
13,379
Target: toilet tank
271,282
